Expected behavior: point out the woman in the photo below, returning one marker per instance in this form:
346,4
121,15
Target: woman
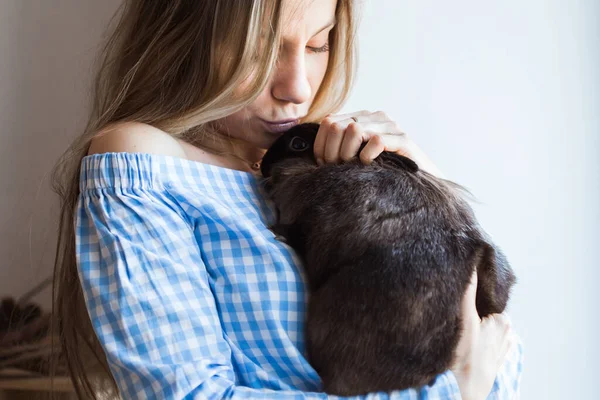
169,273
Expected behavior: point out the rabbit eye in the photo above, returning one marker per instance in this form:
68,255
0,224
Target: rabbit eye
298,144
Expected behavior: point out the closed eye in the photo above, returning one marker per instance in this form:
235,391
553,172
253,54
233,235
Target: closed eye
322,49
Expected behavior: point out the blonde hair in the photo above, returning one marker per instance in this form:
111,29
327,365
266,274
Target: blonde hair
174,64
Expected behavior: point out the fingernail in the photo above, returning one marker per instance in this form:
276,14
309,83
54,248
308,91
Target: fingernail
320,162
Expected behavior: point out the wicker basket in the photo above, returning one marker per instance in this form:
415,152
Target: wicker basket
27,366
30,358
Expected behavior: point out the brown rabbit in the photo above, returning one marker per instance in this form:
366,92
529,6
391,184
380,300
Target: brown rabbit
388,251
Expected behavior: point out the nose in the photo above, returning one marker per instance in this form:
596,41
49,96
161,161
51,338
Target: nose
290,83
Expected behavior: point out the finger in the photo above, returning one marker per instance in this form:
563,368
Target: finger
377,116
468,307
333,143
328,144
506,318
358,133
401,144
357,114
321,139
364,116
502,321
398,144
373,127
507,345
509,341
392,143
374,147
353,139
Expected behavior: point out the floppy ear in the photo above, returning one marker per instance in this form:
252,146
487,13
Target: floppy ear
495,279
396,160
275,153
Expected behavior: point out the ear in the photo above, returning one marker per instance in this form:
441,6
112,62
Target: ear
398,161
275,153
495,279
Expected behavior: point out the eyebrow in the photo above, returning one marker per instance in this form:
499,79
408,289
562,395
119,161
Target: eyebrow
329,25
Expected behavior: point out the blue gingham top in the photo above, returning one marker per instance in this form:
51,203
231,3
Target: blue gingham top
189,292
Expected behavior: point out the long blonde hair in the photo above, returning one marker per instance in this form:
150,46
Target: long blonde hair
174,64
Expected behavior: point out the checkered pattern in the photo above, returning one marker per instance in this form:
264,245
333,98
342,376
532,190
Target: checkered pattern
190,294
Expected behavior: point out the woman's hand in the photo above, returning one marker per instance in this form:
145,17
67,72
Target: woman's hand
340,137
482,348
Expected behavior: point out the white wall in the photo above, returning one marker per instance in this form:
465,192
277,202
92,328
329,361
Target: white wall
505,97
45,52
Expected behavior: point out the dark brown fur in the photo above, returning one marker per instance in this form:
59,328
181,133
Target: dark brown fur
388,251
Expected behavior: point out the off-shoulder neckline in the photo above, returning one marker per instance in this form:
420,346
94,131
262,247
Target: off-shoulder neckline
129,170
175,159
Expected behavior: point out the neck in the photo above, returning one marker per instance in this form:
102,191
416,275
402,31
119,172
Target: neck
247,152
227,151
233,153
238,151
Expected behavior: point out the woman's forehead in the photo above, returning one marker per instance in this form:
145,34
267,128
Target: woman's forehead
303,19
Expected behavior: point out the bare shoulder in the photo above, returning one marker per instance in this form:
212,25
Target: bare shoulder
135,137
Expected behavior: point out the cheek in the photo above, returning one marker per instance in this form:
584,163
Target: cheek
244,88
242,123
316,70
241,117
260,101
236,123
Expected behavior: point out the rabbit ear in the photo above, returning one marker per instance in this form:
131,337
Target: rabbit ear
398,161
495,279
275,153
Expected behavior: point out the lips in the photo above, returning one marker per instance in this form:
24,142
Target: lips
279,126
